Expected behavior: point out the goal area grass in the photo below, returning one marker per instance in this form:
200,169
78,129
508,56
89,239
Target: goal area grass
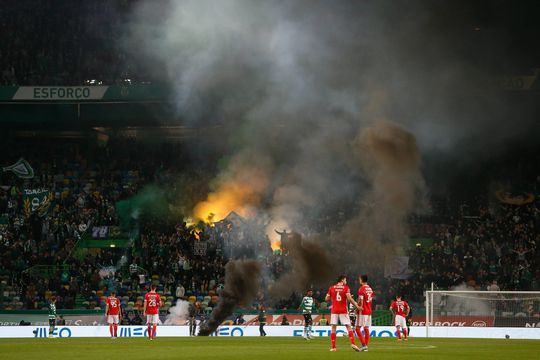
271,348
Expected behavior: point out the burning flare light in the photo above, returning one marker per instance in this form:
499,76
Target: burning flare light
239,189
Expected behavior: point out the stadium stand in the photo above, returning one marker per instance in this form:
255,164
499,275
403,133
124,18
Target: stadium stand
471,245
75,40
49,250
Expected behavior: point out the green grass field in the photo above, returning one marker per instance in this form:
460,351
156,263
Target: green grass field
274,348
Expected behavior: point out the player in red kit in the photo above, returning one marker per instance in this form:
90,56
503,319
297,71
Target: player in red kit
400,309
152,303
113,313
363,320
340,293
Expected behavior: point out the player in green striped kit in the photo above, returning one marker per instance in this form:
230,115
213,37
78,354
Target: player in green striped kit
307,307
52,315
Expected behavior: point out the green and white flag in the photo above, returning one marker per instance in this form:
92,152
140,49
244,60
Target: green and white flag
36,200
21,168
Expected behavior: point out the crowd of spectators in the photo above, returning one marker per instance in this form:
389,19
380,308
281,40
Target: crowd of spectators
67,43
40,250
473,243
485,243
478,245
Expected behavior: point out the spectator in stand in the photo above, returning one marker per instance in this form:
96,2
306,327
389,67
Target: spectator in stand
180,291
493,286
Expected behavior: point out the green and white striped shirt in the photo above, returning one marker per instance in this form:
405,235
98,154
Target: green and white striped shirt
307,305
52,311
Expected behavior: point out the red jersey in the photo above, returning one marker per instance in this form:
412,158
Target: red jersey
399,307
366,294
153,300
338,293
114,305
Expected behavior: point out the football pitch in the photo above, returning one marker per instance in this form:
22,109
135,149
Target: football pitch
274,348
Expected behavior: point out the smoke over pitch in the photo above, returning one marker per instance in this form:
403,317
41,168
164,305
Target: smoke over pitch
241,286
178,314
292,82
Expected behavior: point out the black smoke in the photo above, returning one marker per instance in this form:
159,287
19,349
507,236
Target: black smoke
241,286
310,263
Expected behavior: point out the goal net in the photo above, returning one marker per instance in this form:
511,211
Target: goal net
482,308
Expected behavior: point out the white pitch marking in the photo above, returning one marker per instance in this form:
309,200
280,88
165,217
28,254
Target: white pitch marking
386,347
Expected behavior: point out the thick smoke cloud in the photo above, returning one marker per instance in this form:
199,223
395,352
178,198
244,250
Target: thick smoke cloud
391,161
272,61
311,266
241,286
303,91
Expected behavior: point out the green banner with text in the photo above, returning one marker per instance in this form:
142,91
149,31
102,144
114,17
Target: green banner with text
85,93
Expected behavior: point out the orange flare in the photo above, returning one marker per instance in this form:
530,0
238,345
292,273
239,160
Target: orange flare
240,191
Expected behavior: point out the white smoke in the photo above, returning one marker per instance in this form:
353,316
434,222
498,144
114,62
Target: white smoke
178,314
296,81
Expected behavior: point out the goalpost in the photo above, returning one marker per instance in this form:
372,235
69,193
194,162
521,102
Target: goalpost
482,308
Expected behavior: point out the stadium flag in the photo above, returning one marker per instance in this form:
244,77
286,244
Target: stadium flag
37,201
21,168
516,197
199,248
397,267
